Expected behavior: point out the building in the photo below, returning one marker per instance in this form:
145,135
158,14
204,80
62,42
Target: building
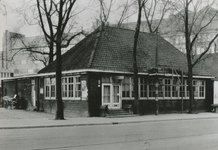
98,72
172,30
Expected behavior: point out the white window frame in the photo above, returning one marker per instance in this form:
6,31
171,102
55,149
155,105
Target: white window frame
49,82
67,84
202,85
131,88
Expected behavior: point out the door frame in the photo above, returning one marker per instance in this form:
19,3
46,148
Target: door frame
111,104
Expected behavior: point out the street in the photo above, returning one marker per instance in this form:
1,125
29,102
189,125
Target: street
165,135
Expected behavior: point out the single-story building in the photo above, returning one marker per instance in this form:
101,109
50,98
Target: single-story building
98,71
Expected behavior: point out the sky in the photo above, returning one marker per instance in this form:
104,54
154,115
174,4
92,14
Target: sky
15,22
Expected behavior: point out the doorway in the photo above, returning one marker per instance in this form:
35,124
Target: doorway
111,96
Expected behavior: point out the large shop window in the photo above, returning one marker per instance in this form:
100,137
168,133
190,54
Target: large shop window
71,88
167,88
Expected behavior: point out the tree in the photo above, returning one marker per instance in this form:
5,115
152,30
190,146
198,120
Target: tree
141,3
155,11
55,21
195,24
115,11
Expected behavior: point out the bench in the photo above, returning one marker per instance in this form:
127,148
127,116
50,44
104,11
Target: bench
128,107
214,106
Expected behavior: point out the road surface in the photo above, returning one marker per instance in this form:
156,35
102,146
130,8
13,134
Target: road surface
197,134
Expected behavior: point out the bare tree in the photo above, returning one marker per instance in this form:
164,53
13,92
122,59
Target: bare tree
126,11
141,4
55,21
196,17
155,11
121,9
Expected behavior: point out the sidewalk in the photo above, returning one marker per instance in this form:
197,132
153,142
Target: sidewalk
44,120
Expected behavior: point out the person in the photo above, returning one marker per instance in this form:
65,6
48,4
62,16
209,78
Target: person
15,101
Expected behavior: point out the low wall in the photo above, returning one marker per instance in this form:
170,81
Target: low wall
167,106
71,108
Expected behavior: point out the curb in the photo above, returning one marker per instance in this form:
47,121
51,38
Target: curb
106,123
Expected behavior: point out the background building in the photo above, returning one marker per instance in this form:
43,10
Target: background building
172,29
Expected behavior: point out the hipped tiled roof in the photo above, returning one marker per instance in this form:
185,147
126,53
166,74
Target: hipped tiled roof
111,49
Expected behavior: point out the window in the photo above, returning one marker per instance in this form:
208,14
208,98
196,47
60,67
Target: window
126,87
167,88
77,87
201,89
151,88
175,88
53,88
182,89
64,86
195,88
47,87
71,87
143,87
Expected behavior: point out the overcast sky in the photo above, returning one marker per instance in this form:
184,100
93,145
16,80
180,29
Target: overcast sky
15,22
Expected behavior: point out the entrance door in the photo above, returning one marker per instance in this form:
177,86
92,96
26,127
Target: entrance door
111,96
116,97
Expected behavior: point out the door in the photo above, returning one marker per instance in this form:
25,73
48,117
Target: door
116,97
111,96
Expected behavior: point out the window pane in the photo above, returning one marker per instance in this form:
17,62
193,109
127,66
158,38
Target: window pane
106,96
77,90
52,90
70,90
143,87
175,87
167,88
126,87
151,88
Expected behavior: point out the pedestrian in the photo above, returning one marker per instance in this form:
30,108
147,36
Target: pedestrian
16,101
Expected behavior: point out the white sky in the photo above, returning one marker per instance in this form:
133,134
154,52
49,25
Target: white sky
15,21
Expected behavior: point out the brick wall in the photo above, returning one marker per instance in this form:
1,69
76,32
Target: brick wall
73,108
167,106
94,94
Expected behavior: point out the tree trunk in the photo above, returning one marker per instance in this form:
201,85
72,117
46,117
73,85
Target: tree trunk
60,110
135,68
189,57
191,93
51,51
